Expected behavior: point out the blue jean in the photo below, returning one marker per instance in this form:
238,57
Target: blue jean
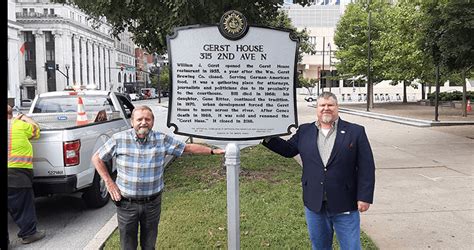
130,215
321,228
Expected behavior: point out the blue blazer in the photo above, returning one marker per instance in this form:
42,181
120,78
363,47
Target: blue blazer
349,175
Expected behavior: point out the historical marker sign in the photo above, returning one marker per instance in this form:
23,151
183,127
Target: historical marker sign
238,86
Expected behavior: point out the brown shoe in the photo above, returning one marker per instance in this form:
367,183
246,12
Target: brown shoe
32,238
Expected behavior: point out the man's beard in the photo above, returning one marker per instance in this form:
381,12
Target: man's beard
326,118
143,131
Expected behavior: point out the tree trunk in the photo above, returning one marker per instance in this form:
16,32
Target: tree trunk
464,90
423,92
404,92
371,100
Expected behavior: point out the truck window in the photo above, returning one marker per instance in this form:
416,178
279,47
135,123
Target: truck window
60,104
127,107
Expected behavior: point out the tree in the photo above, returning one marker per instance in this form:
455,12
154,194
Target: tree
165,79
398,44
151,21
352,40
448,28
456,43
309,84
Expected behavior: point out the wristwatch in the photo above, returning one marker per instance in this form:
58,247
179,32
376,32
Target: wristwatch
212,151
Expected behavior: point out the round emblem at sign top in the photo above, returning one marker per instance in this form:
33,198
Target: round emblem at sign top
233,25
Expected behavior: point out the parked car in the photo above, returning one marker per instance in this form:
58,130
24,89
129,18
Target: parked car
311,98
134,96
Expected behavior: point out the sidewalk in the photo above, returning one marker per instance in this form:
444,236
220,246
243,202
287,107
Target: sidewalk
413,110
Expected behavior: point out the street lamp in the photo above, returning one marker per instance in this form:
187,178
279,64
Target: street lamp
67,72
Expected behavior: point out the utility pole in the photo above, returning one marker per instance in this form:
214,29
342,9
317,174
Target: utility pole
322,72
369,81
437,93
330,67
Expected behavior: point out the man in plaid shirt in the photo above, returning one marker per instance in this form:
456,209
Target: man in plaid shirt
140,156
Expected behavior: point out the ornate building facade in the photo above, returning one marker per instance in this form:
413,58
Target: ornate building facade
53,46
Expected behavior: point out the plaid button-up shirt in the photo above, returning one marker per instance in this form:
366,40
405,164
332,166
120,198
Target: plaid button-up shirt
140,164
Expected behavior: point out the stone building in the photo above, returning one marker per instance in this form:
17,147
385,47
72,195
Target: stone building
52,46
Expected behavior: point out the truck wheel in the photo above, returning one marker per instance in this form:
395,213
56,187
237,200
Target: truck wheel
96,196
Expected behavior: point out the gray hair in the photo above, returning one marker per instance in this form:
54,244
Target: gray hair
327,95
143,107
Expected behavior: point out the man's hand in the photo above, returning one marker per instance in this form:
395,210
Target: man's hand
218,151
362,206
114,191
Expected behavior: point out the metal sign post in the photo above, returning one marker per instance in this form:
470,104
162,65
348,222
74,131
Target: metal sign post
232,162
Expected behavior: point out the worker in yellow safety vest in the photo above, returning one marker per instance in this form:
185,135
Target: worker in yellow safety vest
21,203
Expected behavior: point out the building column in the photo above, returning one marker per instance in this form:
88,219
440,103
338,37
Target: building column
104,69
76,69
90,61
59,59
67,59
83,59
108,59
96,63
40,46
100,68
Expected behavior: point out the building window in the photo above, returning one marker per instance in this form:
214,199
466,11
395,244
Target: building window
51,11
49,55
119,78
45,12
25,11
48,36
30,54
73,60
80,61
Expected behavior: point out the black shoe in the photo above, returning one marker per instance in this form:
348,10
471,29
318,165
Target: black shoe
32,238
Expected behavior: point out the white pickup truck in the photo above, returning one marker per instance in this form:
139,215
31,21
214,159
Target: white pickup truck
62,155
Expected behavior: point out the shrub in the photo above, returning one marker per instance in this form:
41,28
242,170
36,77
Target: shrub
451,96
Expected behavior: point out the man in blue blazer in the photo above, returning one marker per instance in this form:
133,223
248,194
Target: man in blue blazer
338,174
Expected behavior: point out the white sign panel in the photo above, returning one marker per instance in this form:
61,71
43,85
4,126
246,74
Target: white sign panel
232,90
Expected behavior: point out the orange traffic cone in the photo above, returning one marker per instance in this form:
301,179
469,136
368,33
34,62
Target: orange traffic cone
469,108
81,114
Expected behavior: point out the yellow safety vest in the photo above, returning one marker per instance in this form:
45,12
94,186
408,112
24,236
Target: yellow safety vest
20,151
